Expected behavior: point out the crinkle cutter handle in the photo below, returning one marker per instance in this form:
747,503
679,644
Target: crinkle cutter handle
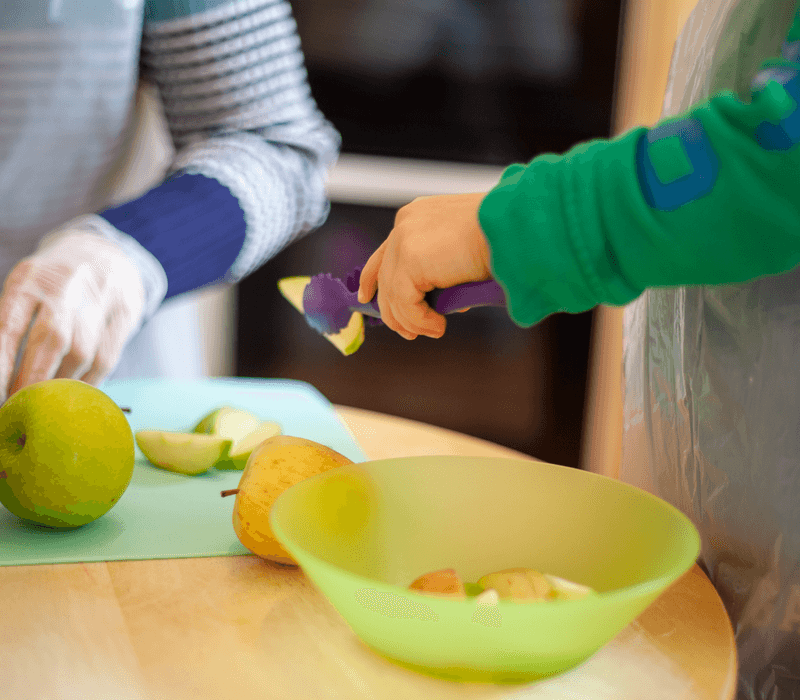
328,302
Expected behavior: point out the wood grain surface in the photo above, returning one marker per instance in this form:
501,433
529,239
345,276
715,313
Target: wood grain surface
240,628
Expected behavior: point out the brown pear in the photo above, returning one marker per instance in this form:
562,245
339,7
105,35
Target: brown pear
275,465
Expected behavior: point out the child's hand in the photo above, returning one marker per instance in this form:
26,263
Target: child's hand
436,242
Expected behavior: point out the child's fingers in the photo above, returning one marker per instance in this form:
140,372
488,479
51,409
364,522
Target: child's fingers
388,317
369,275
408,307
430,323
419,318
399,291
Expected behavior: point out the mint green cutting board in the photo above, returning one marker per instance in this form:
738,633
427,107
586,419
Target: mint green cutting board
163,515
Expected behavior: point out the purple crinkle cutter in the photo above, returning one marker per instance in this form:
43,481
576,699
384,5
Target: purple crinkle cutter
328,302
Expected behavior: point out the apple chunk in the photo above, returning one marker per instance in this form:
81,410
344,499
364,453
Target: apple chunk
445,582
568,590
529,584
240,451
184,453
518,584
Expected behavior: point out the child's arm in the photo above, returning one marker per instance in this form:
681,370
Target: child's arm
709,197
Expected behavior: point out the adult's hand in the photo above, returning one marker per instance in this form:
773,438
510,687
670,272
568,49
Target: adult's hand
67,311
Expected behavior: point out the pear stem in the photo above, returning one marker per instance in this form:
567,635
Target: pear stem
3,475
229,492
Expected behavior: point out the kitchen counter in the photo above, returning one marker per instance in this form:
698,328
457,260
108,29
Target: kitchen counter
242,628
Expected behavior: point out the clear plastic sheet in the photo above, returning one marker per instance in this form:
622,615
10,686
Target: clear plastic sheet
712,390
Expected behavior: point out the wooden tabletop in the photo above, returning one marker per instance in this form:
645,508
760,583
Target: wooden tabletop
241,628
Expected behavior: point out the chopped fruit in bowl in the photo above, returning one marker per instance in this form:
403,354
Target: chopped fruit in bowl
518,584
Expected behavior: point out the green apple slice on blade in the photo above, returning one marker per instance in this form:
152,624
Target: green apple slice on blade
240,451
347,340
184,453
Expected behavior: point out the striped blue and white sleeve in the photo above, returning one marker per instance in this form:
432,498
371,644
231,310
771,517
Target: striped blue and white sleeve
252,147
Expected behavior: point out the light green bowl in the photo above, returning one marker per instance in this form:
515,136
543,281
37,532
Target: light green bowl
363,532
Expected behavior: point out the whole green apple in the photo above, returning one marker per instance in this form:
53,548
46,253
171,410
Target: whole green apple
66,453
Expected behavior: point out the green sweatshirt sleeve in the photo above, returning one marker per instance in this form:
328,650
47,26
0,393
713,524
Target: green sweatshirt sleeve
706,198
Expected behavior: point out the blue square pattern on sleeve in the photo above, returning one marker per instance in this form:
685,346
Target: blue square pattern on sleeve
669,159
676,164
781,86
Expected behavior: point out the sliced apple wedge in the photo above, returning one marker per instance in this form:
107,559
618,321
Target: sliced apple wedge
184,453
207,424
347,340
243,429
568,590
239,452
228,422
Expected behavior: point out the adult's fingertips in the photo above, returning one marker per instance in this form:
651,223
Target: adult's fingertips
109,350
8,353
16,314
48,343
102,366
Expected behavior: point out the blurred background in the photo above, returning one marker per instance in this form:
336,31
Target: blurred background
432,96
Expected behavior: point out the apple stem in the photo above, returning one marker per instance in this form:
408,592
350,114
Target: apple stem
21,440
229,492
3,475
125,409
